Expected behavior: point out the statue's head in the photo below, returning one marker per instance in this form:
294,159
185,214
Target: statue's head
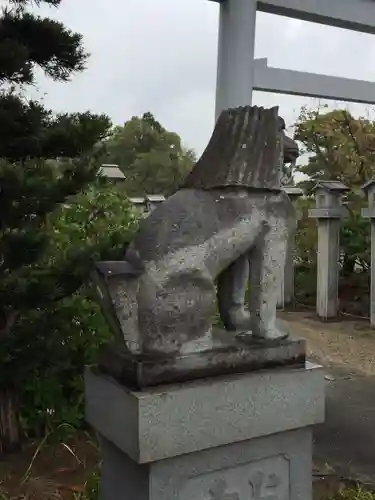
248,149
291,150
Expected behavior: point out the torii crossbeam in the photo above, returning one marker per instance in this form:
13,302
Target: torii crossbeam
291,82
236,77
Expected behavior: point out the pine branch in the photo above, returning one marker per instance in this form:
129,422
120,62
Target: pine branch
7,322
24,3
12,249
28,130
28,40
40,285
32,190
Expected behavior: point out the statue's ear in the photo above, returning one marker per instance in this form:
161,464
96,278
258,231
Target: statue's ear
282,123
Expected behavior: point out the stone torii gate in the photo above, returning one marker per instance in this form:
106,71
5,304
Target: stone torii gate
238,74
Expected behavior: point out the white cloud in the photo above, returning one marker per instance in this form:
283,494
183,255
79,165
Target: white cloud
161,56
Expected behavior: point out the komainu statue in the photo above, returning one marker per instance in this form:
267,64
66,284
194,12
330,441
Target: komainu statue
229,223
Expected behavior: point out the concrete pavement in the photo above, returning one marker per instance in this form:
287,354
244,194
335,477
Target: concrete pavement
346,441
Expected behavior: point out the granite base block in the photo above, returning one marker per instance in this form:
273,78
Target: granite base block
276,467
237,437
167,421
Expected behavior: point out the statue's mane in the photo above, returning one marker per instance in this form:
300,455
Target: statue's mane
245,150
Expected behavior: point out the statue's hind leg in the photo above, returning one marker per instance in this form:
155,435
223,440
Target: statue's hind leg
231,285
267,261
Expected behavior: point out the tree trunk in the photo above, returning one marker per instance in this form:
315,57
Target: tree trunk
10,429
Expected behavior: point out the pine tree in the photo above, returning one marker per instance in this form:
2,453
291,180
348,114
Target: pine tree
44,160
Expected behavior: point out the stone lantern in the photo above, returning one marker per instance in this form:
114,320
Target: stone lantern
329,211
152,200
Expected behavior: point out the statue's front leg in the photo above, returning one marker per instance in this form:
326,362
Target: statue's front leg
231,286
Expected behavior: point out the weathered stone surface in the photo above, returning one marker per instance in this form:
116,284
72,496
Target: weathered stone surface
182,247
162,300
329,211
208,439
247,149
276,467
180,419
227,354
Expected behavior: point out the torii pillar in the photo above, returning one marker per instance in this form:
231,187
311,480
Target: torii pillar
238,74
235,66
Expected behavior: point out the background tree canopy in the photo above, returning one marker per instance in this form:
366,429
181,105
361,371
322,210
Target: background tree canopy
339,147
152,158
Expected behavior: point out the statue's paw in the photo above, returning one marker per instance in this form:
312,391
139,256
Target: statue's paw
237,320
278,333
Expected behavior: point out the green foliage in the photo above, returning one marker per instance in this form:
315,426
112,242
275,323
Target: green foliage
358,493
31,188
27,129
354,243
91,491
27,40
340,147
152,158
306,237
50,371
50,231
306,253
30,193
46,351
355,236
52,227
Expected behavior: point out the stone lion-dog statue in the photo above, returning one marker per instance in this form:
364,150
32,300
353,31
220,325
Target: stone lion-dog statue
190,254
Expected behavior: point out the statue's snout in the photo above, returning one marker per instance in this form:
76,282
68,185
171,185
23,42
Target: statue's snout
291,149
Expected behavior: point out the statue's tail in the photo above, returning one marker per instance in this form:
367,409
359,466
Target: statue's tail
245,150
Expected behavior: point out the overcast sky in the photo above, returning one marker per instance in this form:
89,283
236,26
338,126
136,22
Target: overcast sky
160,56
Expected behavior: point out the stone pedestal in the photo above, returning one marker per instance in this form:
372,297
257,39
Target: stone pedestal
236,437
